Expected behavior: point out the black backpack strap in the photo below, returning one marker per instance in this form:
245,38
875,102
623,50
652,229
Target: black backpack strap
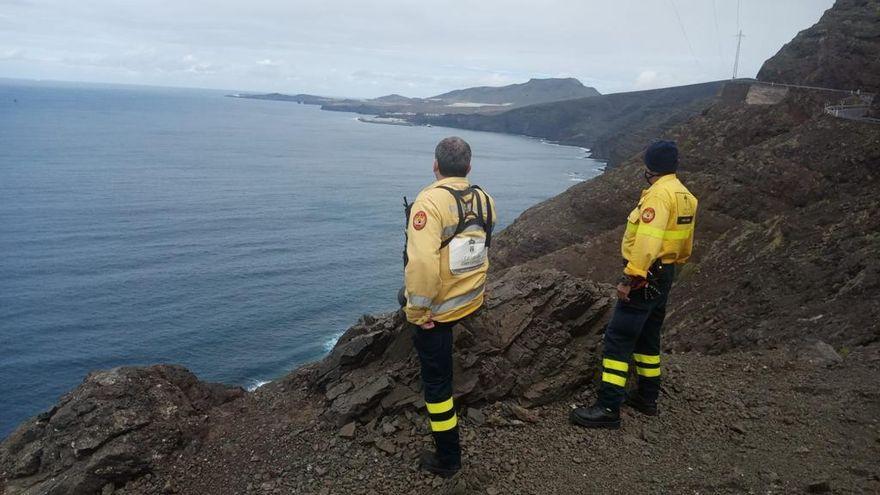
407,209
490,221
461,221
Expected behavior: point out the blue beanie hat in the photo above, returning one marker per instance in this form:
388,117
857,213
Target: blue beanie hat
662,157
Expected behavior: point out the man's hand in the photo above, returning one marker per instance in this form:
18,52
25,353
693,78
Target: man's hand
427,325
623,292
626,284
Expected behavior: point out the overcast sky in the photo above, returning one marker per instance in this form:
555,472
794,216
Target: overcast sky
371,48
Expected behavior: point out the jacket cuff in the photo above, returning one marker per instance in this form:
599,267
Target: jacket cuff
635,272
417,316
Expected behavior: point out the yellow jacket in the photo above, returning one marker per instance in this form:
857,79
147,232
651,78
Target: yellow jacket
660,227
444,284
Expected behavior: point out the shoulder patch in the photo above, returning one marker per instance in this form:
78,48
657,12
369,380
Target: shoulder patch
648,215
420,219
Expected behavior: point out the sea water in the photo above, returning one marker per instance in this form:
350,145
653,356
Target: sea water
235,237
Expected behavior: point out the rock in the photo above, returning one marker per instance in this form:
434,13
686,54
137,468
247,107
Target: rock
111,429
459,487
108,489
475,416
819,353
388,429
352,404
822,486
386,446
348,430
337,390
739,428
528,343
648,434
522,413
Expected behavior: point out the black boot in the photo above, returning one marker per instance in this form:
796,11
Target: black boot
635,401
431,463
595,416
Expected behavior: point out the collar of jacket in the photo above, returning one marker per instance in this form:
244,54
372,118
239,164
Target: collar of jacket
661,180
449,181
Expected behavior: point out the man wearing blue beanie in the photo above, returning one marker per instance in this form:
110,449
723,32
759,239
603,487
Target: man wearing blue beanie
659,236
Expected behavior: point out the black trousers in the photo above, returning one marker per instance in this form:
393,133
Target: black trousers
632,337
434,347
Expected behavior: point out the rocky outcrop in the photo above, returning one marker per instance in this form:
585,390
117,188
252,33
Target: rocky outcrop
109,430
840,51
535,342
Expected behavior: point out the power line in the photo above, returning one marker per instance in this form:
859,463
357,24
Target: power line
686,38
738,3
740,37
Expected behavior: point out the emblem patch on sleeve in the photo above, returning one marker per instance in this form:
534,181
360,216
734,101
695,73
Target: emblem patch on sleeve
648,215
419,220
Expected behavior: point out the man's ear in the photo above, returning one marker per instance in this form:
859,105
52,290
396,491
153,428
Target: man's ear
436,166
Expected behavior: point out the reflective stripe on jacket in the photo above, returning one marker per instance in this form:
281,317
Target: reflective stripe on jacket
661,227
433,291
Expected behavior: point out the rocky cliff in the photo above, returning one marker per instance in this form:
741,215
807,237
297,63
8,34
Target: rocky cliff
613,126
840,51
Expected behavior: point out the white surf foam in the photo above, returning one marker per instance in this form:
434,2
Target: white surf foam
329,343
255,384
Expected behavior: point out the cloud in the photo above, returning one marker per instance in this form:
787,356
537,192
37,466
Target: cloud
388,46
11,53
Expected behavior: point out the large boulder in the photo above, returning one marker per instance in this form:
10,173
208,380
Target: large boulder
536,340
110,429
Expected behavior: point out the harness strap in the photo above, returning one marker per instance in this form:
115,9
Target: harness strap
463,222
490,222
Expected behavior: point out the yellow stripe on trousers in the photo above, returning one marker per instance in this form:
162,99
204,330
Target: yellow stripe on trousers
648,372
646,358
613,364
618,380
439,407
445,424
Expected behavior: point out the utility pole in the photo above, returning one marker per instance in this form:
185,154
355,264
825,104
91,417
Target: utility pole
739,40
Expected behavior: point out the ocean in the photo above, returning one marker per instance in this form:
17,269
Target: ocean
236,237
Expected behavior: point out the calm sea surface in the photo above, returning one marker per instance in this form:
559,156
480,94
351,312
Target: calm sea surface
236,237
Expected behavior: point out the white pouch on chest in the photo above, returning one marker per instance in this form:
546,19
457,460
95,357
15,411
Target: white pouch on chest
466,254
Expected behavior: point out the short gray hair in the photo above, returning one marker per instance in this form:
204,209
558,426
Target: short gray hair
453,156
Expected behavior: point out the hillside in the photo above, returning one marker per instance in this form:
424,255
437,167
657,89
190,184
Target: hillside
840,51
772,350
613,126
528,93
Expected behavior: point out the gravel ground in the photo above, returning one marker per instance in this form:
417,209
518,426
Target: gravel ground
757,422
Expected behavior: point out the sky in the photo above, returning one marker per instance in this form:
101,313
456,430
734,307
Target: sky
369,48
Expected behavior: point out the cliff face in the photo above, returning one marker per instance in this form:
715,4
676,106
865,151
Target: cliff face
613,126
782,246
840,51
